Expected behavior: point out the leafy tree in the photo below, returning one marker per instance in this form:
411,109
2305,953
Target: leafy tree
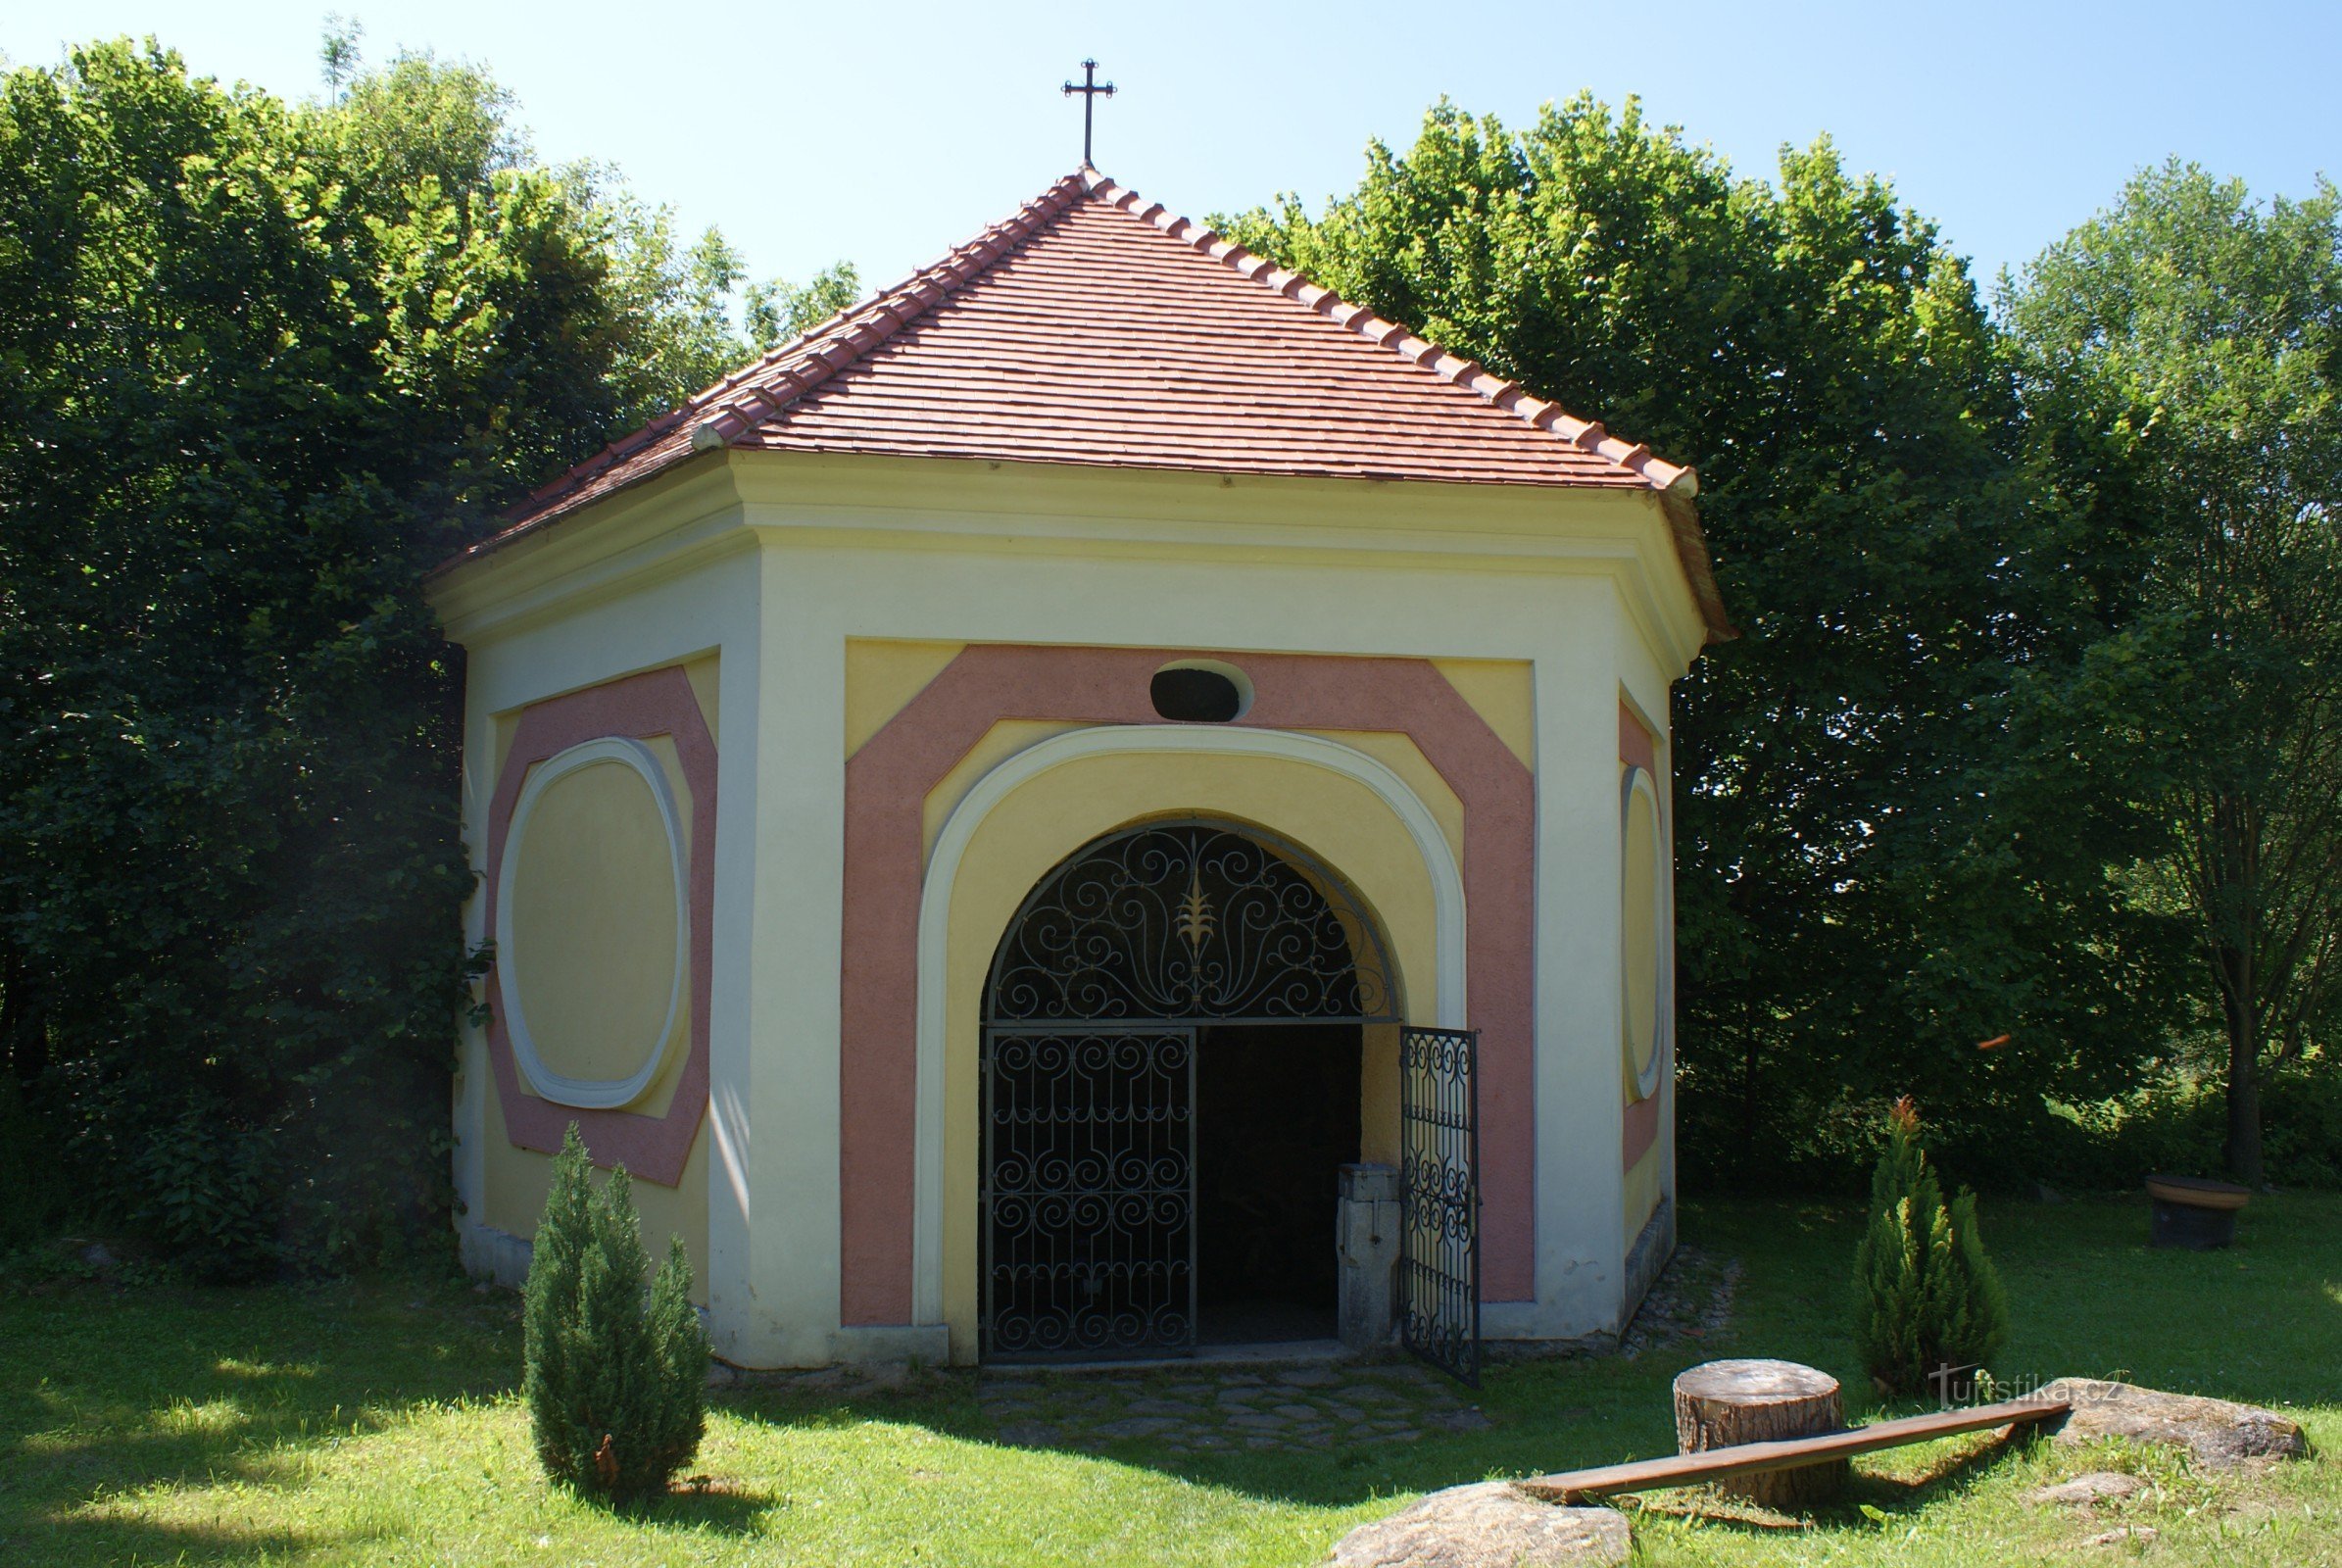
1928,1301
261,366
1871,878
338,54
616,1384
779,311
2182,356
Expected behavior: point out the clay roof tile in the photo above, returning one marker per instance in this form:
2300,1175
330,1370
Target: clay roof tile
1093,327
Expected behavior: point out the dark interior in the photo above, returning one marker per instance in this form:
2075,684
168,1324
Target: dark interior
1195,695
1276,1114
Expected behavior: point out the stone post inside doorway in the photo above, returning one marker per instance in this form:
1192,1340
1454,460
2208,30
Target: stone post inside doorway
1366,1243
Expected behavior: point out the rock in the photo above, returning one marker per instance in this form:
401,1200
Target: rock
1309,1376
2122,1536
1488,1525
2099,1486
2217,1433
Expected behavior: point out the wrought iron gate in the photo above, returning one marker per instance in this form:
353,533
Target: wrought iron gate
1098,991
1089,1191
1439,1185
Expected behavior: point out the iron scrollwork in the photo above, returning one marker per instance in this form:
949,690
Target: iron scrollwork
1438,1268
1100,985
1089,1191
1189,921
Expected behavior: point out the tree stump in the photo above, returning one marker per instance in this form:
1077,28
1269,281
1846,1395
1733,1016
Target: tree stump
1724,1402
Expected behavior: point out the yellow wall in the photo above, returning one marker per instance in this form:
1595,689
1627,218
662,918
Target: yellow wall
1038,824
882,677
1005,738
1501,692
1643,1188
514,1181
594,922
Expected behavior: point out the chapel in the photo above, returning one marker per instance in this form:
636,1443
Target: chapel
1104,803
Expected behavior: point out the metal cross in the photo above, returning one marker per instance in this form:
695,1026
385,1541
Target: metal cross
1091,90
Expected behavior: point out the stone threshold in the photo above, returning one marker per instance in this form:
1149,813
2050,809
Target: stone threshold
1272,1352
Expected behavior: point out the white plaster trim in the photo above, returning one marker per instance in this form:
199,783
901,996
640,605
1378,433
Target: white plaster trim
1646,1076
592,1093
1158,739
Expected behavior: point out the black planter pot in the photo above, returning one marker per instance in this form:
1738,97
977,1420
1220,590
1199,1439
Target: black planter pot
2194,1213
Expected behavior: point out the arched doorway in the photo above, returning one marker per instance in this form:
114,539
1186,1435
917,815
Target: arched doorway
1173,1028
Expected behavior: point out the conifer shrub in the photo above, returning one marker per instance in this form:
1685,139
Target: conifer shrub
1928,1300
616,1378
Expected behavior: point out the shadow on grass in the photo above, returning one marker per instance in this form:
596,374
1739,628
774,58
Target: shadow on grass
1540,1418
106,1392
1881,1499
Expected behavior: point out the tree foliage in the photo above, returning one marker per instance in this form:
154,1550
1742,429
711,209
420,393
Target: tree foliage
2182,360
1876,873
614,1381
261,366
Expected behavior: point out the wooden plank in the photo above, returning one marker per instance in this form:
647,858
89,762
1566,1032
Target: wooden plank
1751,1459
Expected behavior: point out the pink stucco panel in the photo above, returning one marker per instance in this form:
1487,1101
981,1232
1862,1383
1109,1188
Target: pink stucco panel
887,781
658,702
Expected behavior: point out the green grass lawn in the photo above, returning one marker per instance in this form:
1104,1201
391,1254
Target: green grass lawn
378,1424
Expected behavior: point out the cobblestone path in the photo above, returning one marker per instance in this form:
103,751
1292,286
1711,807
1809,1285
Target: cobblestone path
1205,1409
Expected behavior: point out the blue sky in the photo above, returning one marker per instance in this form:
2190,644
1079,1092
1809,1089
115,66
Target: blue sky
884,134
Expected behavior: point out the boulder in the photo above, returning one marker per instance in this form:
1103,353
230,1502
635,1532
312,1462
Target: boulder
2215,1433
1488,1525
2099,1486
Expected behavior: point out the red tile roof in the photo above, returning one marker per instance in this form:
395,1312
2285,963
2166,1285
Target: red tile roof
1095,328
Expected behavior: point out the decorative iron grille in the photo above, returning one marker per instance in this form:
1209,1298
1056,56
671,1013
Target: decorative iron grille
1189,921
1439,1186
1089,1191
1108,970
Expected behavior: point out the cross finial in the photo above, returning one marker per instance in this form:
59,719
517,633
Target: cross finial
1091,90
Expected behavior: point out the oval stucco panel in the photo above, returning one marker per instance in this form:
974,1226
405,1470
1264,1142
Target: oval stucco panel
593,949
1639,929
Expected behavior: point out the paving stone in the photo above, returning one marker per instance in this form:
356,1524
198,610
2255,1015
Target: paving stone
1373,1393
1309,1376
1031,1435
1345,1413
1296,1412
1170,1407
1258,1421
1136,1426
1463,1421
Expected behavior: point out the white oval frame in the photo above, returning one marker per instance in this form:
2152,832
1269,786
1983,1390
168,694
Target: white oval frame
592,1093
1646,1077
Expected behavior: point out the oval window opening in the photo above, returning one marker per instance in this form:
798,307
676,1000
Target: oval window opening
1190,694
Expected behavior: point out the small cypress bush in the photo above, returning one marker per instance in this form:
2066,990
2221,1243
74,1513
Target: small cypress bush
1927,1296
615,1382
